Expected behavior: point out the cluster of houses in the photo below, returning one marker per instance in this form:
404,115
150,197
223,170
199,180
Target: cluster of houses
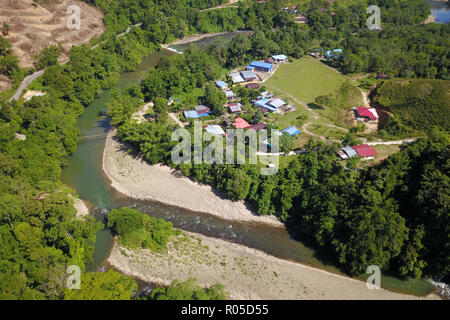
198,112
267,103
363,150
248,76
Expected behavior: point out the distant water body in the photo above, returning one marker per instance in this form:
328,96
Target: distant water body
440,11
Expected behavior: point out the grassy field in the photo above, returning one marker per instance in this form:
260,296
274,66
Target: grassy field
305,79
383,152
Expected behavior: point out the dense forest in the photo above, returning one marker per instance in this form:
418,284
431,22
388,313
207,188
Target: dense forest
416,105
394,215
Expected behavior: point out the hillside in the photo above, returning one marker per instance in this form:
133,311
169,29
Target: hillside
418,104
32,29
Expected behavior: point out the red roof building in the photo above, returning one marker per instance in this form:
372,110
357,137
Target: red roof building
240,123
252,85
369,113
257,127
365,150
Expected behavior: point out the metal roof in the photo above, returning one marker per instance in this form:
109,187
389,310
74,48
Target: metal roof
259,64
276,103
349,151
364,150
215,129
291,130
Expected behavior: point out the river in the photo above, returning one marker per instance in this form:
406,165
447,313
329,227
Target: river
84,174
440,11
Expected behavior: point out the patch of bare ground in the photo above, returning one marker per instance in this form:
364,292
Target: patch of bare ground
247,273
34,28
5,83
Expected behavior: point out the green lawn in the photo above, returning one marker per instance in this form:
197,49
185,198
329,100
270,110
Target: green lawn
305,79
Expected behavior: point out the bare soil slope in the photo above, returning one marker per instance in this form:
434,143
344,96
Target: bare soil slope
34,28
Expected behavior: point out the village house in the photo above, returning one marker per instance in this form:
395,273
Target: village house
253,86
222,85
259,66
200,109
234,107
272,105
243,77
363,150
365,114
230,94
301,19
292,131
215,129
334,54
279,58
240,123
257,127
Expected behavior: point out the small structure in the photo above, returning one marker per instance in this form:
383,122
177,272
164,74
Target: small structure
315,55
230,94
215,129
253,86
382,76
271,105
257,127
269,60
249,75
292,131
334,54
301,19
260,66
150,117
201,109
364,150
33,93
240,123
234,107
222,85
347,152
280,58
191,114
236,78
276,103
366,114
264,95
20,136
228,122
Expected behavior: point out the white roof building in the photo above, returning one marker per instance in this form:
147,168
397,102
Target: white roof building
236,77
279,57
276,103
215,129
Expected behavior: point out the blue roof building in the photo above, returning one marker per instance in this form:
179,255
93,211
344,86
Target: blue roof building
292,131
260,66
222,84
191,114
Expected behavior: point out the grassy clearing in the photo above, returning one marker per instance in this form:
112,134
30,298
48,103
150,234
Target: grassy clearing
329,132
305,79
383,152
